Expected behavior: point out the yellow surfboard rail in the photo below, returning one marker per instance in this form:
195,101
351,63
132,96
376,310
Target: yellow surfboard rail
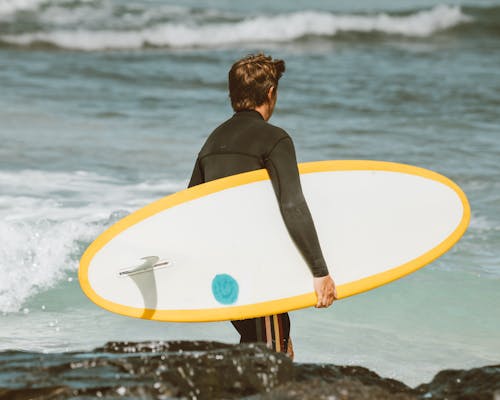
275,306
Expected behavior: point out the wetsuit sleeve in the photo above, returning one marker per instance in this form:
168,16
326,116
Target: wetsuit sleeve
197,175
281,163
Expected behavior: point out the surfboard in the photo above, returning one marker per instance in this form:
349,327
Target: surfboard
220,250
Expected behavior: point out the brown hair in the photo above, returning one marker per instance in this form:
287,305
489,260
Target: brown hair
251,78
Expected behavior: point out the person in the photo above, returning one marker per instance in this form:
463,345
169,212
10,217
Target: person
247,142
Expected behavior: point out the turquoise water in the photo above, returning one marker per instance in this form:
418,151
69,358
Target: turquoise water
104,104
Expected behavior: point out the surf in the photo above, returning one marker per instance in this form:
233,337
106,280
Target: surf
97,27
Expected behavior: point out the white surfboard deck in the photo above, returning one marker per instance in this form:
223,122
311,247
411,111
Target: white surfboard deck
221,251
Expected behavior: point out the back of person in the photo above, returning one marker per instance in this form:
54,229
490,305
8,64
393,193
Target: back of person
247,142
241,144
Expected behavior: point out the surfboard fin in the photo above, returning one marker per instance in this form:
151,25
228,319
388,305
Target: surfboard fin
150,263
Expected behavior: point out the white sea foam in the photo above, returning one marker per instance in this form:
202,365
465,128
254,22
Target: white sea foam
105,13
8,7
45,217
259,29
35,256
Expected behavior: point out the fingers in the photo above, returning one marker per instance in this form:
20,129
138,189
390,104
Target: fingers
321,303
326,300
326,293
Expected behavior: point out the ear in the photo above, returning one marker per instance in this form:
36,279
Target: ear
271,93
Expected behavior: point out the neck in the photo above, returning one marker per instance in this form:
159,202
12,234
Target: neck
264,110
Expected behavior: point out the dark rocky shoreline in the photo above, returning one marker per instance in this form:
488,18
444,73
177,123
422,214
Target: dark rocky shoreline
211,370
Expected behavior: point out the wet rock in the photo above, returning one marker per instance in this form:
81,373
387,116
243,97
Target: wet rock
333,373
341,389
211,370
157,347
474,384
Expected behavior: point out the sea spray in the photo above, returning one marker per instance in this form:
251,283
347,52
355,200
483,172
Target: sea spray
36,256
49,218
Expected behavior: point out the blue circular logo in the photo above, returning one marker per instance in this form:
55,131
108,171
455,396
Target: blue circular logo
225,289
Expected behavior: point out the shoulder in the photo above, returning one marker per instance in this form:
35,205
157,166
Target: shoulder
280,132
276,132
216,136
273,138
281,144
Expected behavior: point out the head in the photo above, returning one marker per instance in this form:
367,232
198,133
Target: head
253,83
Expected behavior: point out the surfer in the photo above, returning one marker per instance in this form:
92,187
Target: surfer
247,142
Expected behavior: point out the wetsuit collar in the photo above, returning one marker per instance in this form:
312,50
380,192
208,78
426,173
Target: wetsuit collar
249,114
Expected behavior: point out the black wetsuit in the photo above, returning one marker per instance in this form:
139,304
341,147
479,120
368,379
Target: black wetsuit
245,143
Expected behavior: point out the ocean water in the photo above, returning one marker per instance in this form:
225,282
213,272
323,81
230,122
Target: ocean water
104,105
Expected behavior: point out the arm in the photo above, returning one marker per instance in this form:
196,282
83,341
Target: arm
197,175
281,164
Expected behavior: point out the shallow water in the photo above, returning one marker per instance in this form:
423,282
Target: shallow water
104,104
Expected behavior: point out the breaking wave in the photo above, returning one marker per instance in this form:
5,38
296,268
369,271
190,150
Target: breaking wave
99,25
47,219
